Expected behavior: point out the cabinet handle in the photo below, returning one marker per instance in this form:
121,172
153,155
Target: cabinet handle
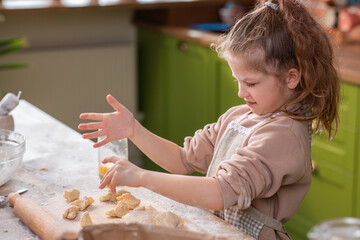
183,46
314,167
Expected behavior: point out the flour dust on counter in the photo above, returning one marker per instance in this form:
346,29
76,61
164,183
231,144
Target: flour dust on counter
58,159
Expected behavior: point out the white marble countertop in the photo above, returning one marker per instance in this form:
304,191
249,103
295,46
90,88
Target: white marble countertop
58,158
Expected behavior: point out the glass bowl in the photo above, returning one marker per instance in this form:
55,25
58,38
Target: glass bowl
12,148
336,229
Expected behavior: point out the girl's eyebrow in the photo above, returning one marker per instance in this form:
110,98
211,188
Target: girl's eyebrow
243,80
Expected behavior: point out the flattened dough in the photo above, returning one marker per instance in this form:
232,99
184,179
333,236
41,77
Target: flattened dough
167,219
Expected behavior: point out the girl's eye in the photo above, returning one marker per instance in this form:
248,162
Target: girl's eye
250,84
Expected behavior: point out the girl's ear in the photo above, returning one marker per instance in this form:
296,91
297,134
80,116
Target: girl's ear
293,78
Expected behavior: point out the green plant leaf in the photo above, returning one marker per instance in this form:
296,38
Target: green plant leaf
13,41
13,66
12,45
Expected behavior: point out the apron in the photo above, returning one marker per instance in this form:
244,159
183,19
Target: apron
249,220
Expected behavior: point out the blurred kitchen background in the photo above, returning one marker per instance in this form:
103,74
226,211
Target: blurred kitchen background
154,56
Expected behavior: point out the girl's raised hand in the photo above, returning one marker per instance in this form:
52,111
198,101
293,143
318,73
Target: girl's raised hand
122,173
114,126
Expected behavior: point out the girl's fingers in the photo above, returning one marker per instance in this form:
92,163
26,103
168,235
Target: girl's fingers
92,116
108,172
102,184
112,159
113,184
114,103
102,142
95,134
90,126
106,179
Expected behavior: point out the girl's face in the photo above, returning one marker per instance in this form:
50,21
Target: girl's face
263,93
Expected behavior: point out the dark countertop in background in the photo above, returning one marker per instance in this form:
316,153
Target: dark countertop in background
8,5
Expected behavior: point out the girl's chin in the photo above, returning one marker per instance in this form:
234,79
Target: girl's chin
257,111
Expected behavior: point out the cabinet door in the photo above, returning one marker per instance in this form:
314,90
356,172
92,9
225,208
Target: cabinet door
152,79
331,194
191,88
340,152
152,85
356,103
227,87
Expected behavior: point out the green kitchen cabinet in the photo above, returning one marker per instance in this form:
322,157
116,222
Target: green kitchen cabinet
190,90
177,85
153,84
334,192
182,86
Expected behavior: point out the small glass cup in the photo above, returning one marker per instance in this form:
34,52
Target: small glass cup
118,148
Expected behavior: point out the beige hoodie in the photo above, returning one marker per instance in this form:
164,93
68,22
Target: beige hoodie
273,165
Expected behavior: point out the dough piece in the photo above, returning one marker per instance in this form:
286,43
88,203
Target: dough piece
111,212
85,219
167,219
131,201
150,208
111,197
126,203
71,212
119,211
143,208
83,203
144,217
71,195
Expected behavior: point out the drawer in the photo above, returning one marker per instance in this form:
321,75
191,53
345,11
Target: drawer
339,152
327,198
349,100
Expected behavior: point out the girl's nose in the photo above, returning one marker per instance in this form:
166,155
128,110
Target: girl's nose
242,93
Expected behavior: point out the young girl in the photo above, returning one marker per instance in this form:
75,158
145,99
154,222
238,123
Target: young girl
256,156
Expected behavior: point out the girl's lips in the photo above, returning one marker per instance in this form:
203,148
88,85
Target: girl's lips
250,103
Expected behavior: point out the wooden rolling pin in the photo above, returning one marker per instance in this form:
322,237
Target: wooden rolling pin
37,219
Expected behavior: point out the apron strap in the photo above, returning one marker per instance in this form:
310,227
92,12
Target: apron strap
266,220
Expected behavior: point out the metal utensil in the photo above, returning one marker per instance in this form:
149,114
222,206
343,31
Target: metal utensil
4,199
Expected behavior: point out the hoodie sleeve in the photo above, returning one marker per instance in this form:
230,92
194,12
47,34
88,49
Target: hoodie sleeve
198,150
273,156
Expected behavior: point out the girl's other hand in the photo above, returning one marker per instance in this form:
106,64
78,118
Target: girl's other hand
114,126
122,173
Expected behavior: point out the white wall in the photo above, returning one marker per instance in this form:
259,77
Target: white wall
76,56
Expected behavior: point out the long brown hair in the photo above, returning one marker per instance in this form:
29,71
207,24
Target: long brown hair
291,38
